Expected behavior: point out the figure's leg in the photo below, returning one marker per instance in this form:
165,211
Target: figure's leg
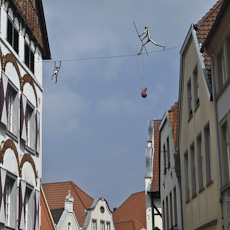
157,44
141,50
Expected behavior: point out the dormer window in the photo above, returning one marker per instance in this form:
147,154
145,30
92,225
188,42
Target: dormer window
12,34
29,57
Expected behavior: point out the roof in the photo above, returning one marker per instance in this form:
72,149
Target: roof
56,213
46,217
56,194
217,21
156,170
202,30
131,214
173,116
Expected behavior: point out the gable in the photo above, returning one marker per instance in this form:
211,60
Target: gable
31,14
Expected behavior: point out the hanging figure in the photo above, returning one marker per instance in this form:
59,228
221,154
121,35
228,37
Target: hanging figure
147,35
56,71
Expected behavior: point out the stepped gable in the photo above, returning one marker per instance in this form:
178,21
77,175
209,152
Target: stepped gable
56,194
131,214
173,116
203,28
155,186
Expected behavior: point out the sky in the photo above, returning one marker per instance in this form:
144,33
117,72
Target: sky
95,122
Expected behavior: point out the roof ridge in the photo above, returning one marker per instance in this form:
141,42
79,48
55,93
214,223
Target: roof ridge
211,10
73,185
57,182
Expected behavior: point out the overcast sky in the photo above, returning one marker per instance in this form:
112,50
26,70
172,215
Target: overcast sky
95,123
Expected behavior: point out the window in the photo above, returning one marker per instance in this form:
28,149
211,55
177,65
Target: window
69,227
12,110
94,225
11,201
12,34
108,226
225,152
186,176
167,213
102,225
29,209
168,152
221,69
175,206
163,212
196,88
208,155
30,126
189,91
200,162
171,211
29,57
193,169
165,160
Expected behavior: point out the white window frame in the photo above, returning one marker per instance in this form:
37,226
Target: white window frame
208,154
94,224
200,161
193,169
196,87
186,173
14,29
13,107
11,202
102,225
29,208
30,127
108,225
189,95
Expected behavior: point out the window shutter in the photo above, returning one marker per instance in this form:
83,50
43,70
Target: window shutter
22,193
38,132
4,103
36,210
23,117
2,193
13,205
33,129
15,115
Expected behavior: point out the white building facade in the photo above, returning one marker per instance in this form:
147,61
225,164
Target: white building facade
99,216
170,173
23,46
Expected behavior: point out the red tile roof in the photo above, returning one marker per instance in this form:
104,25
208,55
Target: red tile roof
57,192
131,215
204,26
156,163
47,222
173,116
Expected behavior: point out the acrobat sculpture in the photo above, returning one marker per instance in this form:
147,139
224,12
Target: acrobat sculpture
147,35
